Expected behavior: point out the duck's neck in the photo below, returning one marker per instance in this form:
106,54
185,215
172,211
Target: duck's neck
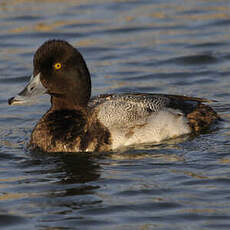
65,103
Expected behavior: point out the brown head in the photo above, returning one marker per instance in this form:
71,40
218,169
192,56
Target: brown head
59,70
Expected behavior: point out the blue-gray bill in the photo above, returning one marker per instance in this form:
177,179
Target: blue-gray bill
33,90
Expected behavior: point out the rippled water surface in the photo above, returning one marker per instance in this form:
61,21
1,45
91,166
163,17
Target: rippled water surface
162,46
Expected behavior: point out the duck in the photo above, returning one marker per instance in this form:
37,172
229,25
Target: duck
77,122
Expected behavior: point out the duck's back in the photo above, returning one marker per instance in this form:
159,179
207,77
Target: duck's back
142,118
126,109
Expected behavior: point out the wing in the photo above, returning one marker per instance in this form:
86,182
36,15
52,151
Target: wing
125,110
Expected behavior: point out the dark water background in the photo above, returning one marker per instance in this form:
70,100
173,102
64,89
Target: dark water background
162,46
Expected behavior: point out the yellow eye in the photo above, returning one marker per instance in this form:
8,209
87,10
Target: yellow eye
57,66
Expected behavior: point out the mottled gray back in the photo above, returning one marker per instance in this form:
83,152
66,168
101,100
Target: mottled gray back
127,109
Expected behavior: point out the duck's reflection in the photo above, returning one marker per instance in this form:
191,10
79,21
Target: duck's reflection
62,184
79,168
70,173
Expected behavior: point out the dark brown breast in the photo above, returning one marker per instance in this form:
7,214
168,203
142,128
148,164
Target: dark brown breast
69,131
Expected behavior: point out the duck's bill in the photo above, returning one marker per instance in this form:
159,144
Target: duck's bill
33,90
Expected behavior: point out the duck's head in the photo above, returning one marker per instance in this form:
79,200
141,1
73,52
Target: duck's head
59,70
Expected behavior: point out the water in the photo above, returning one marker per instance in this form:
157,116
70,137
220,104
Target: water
177,47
